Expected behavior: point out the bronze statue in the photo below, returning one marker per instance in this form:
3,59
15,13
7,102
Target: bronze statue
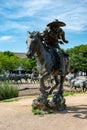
53,35
46,64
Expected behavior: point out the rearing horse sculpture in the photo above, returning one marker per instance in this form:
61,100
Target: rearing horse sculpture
46,63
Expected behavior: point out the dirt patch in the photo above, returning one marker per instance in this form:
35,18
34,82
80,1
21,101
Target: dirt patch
18,116
28,89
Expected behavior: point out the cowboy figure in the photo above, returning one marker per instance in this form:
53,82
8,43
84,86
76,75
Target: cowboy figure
53,35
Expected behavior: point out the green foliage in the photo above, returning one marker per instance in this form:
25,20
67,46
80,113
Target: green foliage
28,63
25,64
8,61
78,60
8,53
8,91
33,62
78,57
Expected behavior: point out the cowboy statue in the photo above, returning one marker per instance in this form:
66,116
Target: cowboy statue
53,35
52,61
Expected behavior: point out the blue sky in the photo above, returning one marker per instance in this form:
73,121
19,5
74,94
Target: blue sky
19,16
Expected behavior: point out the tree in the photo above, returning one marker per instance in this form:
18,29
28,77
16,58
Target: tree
78,57
8,61
8,53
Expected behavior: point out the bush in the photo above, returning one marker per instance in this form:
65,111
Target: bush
8,91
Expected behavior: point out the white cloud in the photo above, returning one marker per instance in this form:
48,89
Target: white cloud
18,16
11,25
73,13
5,38
24,8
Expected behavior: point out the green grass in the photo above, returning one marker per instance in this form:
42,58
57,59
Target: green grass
68,93
11,100
72,93
8,91
36,111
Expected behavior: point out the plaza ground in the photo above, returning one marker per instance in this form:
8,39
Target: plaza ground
17,115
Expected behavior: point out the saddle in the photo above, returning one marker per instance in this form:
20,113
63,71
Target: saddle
54,55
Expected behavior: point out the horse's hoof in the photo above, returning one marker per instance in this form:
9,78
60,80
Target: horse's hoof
52,104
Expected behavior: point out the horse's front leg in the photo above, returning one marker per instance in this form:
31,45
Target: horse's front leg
41,102
42,86
58,101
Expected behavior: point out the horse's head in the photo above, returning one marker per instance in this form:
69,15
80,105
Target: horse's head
31,42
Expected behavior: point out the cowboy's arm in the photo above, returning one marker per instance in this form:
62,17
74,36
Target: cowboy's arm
62,36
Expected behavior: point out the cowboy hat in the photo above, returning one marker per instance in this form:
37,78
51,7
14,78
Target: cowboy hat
56,22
